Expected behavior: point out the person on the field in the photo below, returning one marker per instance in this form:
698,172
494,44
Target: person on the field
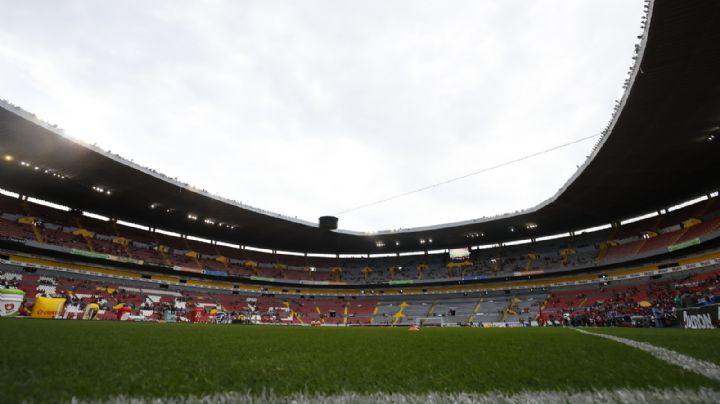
657,315
566,319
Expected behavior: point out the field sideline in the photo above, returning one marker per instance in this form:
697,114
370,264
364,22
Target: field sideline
61,360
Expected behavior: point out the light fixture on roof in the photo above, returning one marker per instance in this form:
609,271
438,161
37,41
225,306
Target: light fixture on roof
512,229
379,244
531,226
397,243
153,205
429,240
8,157
24,164
711,137
422,241
192,216
37,168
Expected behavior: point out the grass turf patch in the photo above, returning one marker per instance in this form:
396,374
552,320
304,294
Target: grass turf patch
55,360
700,344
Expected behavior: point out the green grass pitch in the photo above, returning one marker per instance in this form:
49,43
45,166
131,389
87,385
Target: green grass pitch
45,360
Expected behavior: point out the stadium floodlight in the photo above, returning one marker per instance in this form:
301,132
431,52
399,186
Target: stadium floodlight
8,157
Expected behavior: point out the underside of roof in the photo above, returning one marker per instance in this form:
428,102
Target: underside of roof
655,153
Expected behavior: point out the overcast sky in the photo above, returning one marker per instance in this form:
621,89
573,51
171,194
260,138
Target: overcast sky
309,108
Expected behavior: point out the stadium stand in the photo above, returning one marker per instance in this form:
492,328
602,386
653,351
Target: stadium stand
55,227
606,305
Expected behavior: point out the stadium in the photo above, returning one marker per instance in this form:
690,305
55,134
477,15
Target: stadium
121,284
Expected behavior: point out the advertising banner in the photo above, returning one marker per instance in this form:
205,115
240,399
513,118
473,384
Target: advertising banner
527,273
10,301
684,244
214,273
47,307
92,254
699,317
186,269
474,278
91,311
124,312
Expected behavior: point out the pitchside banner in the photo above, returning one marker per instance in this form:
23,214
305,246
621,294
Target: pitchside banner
699,317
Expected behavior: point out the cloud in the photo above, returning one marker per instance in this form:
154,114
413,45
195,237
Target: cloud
315,107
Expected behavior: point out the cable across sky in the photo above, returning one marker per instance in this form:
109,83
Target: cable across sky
468,175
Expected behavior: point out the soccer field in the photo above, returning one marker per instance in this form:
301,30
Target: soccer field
60,360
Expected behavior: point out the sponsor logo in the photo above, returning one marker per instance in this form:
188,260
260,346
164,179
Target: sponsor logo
9,306
220,316
698,320
46,312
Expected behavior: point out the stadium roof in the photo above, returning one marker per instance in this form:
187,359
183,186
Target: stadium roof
657,151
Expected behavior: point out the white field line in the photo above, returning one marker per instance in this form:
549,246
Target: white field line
598,396
707,369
